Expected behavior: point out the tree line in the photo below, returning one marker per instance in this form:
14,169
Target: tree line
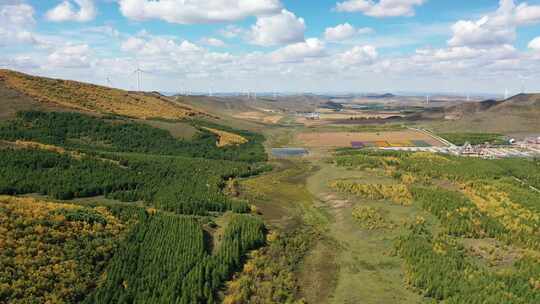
84,132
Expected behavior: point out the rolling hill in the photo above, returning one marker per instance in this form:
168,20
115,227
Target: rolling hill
516,103
518,115
20,91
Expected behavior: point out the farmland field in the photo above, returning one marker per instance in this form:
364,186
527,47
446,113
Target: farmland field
378,139
259,116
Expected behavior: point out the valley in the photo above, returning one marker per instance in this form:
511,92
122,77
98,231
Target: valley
236,200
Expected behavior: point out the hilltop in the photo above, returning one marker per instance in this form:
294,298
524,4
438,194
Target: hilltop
518,102
20,91
517,115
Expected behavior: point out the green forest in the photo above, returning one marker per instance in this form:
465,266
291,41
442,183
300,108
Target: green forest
88,133
164,191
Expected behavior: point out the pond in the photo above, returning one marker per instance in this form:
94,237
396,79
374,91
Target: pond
289,152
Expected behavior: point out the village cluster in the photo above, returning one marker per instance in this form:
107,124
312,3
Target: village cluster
529,147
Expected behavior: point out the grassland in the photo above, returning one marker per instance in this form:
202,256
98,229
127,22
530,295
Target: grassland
367,270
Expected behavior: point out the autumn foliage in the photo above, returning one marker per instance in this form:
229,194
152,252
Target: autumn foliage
51,252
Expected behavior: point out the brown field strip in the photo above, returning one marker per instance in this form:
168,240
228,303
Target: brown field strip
381,139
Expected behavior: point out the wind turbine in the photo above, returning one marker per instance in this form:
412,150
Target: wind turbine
427,99
109,82
506,94
523,78
139,73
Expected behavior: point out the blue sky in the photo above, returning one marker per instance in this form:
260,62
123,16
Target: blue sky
279,45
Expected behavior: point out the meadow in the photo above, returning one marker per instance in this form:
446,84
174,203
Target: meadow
474,238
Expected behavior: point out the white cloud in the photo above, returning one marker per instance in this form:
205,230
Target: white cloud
382,8
496,28
15,15
298,52
535,44
461,53
481,33
197,11
213,42
158,46
132,44
70,56
366,54
343,32
528,14
283,28
16,22
67,11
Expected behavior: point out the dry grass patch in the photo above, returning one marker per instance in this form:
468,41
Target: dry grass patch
258,116
93,98
226,138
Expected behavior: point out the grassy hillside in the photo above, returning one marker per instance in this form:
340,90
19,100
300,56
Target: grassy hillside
79,96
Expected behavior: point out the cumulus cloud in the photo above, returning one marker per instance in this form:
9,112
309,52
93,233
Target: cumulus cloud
496,28
83,11
298,52
382,8
70,56
366,54
158,46
528,14
343,32
535,44
481,33
197,11
283,28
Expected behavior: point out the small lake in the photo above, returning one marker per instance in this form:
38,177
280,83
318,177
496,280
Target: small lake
289,152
